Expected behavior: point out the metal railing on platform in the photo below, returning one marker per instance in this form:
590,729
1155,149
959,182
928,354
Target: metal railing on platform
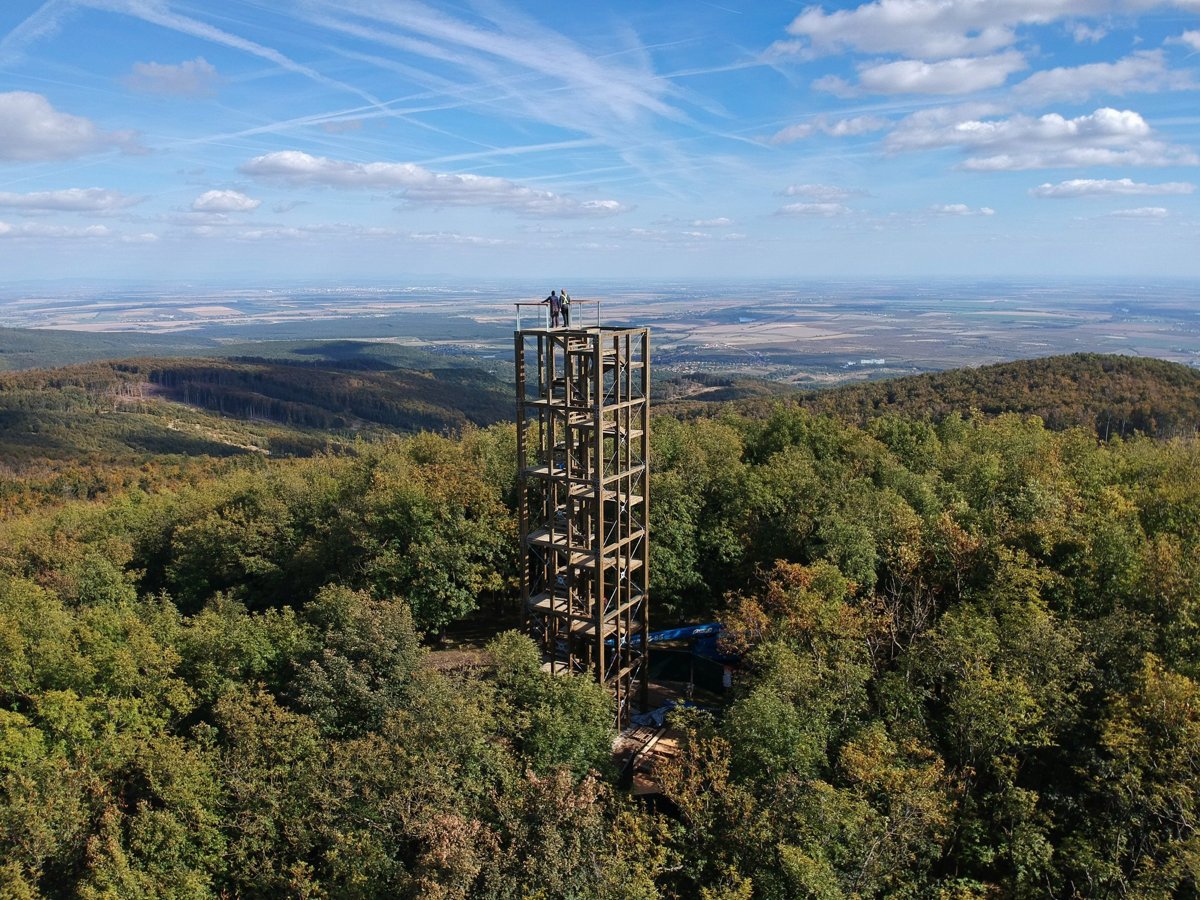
543,316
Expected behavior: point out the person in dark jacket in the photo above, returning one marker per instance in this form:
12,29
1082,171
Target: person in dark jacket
555,303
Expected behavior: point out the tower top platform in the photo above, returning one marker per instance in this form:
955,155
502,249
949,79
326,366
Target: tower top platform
586,331
541,313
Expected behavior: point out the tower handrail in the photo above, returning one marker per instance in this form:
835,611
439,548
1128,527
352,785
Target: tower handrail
545,320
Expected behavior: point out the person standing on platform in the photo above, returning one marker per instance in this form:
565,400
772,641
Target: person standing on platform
565,302
555,303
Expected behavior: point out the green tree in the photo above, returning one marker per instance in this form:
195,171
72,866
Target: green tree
367,653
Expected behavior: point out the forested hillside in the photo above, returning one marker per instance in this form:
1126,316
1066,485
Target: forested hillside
29,348
1113,394
971,668
130,409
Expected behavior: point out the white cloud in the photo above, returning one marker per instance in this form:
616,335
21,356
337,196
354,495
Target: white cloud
276,232
553,204
1142,72
40,230
69,200
450,237
826,210
833,84
929,29
720,222
960,75
960,209
1088,34
33,130
644,235
1106,137
654,234
146,237
193,78
937,29
224,202
207,219
419,185
236,232
1095,187
850,127
819,193
1190,39
344,229
855,126
792,133
1150,153
1142,212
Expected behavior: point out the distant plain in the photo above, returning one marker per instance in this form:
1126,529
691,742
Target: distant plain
812,333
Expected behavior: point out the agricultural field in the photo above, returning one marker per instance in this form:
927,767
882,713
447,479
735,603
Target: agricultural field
811,334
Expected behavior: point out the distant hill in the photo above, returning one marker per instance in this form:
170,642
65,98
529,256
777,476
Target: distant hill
124,410
311,396
27,348
707,387
1112,394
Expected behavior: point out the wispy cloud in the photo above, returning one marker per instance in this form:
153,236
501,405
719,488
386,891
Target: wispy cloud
192,78
159,12
1105,187
960,209
852,126
1082,33
823,210
505,63
323,230
819,193
54,232
50,17
418,185
42,23
456,238
1141,212
69,200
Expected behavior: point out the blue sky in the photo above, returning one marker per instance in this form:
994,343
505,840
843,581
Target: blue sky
352,140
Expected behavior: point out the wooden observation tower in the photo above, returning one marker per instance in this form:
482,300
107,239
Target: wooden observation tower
583,431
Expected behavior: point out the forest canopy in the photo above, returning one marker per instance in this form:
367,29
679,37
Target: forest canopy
132,409
1115,395
970,668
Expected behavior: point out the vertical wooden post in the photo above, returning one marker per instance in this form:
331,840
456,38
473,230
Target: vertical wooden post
645,481
584,513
